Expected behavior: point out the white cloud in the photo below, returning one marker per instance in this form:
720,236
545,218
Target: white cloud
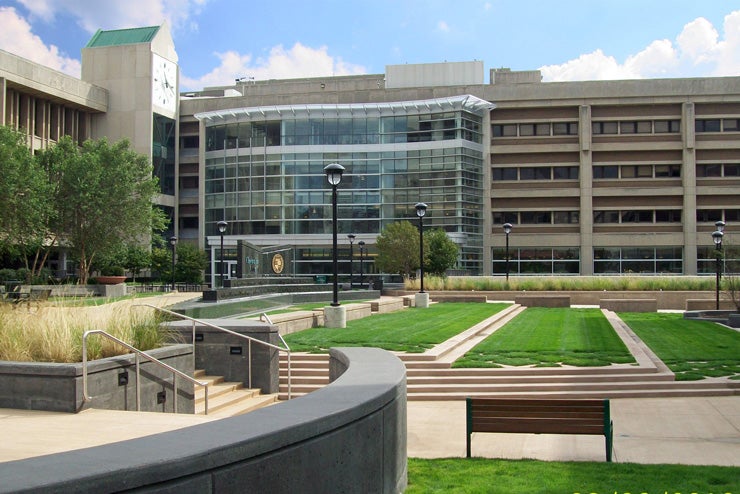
298,61
117,14
696,52
443,26
17,37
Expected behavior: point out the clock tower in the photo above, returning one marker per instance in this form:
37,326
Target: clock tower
139,69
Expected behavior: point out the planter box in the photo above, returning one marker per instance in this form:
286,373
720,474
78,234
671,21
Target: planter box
111,383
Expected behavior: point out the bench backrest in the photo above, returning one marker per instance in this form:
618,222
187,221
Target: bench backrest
543,416
40,294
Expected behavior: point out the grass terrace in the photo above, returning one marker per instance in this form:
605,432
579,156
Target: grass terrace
691,349
410,330
548,338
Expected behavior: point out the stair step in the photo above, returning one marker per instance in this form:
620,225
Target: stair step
610,394
244,406
215,390
217,402
492,380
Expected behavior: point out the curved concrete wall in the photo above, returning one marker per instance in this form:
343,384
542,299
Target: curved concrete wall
347,437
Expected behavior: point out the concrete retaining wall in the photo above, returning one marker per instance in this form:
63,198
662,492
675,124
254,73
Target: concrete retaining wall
543,300
225,354
58,387
629,305
386,304
348,437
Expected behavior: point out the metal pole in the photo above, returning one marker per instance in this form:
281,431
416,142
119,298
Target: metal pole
421,252
335,300
173,267
717,281
351,256
221,267
507,257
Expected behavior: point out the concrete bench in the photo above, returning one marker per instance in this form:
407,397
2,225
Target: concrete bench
35,295
629,304
543,300
540,416
709,304
386,304
290,322
409,300
461,298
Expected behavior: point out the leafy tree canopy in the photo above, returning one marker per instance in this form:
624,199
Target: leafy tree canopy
398,249
442,252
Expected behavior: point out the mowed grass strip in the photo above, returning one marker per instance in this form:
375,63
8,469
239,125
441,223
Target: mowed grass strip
551,337
692,349
410,330
480,475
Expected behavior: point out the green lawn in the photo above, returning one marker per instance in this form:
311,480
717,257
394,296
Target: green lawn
691,349
479,475
410,330
551,337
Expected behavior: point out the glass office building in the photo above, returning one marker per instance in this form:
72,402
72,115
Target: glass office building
264,174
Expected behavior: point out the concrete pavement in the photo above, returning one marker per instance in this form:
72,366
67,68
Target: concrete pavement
696,431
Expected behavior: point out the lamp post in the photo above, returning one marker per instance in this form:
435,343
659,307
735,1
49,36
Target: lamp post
351,238
507,231
361,243
422,298
222,225
335,316
717,237
173,243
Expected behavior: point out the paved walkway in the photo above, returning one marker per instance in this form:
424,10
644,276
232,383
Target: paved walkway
698,431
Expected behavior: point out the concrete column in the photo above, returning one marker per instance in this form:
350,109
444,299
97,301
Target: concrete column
487,220
3,98
586,220
335,317
688,179
422,300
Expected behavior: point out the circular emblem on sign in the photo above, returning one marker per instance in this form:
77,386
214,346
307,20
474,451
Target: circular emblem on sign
278,263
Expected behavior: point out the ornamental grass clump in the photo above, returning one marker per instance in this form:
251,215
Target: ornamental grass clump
55,334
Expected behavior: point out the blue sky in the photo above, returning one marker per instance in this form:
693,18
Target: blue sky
220,40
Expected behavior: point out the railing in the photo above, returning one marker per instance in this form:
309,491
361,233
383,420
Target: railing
243,336
137,354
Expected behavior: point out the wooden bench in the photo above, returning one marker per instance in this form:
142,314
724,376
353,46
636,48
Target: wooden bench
540,416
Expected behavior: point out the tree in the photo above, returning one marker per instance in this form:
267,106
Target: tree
398,249
103,196
137,258
162,263
24,203
442,252
190,263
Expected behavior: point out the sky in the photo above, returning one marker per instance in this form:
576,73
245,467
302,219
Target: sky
218,41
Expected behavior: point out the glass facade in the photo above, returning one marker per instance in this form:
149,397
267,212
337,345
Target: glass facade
264,174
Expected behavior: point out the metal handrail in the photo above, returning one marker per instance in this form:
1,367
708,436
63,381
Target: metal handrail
219,328
137,353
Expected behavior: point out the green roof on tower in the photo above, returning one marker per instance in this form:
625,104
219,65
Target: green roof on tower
123,36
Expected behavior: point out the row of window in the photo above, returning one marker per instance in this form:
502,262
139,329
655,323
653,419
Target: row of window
717,125
718,170
510,173
341,131
535,129
712,215
536,217
611,127
638,216
636,171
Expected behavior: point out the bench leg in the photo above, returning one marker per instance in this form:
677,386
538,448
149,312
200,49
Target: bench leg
610,442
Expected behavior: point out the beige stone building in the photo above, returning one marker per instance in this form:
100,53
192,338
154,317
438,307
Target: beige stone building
607,177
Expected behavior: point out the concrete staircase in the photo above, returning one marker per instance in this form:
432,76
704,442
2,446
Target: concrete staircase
226,399
430,375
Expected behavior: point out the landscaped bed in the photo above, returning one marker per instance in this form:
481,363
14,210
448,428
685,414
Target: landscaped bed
410,330
691,349
551,337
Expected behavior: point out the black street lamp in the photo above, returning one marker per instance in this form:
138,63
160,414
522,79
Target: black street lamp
507,231
334,176
361,243
717,237
351,238
173,243
222,225
421,210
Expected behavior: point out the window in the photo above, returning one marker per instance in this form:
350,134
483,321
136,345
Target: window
637,171
542,129
713,170
731,125
500,218
668,171
564,128
565,172
712,125
535,217
501,174
708,215
505,130
611,171
526,129
565,217
668,216
667,126
604,127
606,216
637,216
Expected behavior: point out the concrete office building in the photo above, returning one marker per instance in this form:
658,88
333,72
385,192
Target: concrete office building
606,177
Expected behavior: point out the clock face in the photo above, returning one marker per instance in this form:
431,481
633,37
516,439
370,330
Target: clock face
164,83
